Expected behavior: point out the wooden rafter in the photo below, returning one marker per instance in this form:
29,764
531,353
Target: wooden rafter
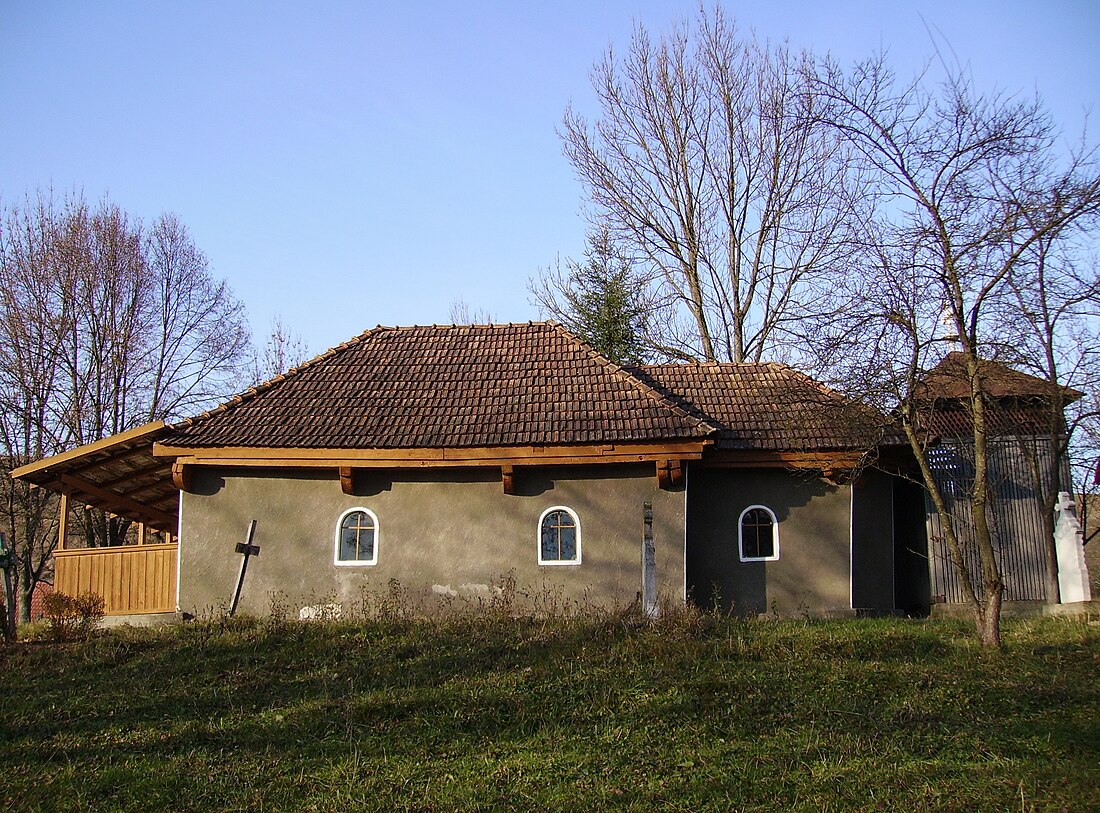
136,474
77,486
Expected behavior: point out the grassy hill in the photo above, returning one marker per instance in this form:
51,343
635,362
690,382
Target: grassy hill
694,713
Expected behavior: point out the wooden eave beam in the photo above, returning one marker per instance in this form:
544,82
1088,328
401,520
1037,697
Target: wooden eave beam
90,450
427,458
833,461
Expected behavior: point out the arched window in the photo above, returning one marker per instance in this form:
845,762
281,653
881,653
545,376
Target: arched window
758,535
559,537
356,538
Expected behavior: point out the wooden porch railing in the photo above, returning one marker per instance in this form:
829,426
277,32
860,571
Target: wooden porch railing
132,579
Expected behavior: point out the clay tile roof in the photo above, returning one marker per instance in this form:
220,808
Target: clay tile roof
949,379
766,406
448,387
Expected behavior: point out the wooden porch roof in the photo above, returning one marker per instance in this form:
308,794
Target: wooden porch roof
118,474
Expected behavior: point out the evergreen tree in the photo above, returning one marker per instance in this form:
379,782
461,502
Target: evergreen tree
600,299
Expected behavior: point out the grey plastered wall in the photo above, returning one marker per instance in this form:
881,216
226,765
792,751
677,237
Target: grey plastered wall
812,574
440,532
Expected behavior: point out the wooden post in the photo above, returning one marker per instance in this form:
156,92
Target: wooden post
649,563
141,533
7,590
63,521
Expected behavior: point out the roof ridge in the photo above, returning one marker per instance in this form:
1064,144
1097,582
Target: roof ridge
648,390
697,363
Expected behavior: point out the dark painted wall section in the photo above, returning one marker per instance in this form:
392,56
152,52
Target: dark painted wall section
812,573
442,533
912,584
873,541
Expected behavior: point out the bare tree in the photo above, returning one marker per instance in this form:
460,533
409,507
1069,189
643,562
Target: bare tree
196,341
1051,331
969,187
710,161
283,350
154,336
462,314
104,325
35,313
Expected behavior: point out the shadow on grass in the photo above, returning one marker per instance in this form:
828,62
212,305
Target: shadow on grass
477,714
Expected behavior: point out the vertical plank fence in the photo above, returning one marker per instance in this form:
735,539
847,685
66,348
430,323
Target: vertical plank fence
132,579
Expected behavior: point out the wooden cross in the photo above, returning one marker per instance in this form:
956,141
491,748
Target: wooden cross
246,549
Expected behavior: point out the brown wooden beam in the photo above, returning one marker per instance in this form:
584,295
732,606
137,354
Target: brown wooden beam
163,486
507,478
670,474
62,521
347,480
821,461
114,501
182,476
141,434
135,474
426,457
252,461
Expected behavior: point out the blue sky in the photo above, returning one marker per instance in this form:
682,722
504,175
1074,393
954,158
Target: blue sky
350,164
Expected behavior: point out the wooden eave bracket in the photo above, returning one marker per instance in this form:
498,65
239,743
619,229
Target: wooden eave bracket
182,476
670,473
836,476
507,478
347,480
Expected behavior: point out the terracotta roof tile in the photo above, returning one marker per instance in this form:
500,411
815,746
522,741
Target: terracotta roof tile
765,406
448,387
950,379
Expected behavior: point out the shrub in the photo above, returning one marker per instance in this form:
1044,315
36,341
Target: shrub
72,617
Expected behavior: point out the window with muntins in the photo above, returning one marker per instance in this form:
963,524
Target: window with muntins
758,535
357,538
559,537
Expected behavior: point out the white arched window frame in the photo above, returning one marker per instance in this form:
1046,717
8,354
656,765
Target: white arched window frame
358,529
553,541
756,528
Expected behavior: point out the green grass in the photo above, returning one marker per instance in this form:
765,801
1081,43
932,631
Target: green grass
467,714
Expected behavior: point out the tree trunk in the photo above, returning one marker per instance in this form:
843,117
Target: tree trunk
987,617
989,602
27,595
